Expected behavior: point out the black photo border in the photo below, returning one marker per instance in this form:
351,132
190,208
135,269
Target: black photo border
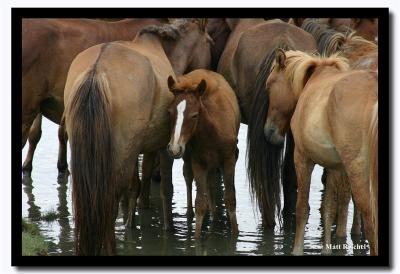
385,216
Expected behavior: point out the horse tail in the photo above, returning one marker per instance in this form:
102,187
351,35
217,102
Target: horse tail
373,168
289,178
264,160
92,162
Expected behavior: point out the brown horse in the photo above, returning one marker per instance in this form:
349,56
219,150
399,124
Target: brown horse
332,113
205,121
245,63
48,48
366,28
116,99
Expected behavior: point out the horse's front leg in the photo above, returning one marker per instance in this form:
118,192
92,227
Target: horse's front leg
304,169
328,211
35,133
62,164
188,174
200,174
166,188
230,195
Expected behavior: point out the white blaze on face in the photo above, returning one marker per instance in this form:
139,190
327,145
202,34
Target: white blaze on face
179,121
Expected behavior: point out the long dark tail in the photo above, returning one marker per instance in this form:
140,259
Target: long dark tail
264,160
92,160
289,179
373,148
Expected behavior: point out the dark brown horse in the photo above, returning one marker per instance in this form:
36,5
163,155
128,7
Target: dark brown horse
116,98
205,121
48,48
245,63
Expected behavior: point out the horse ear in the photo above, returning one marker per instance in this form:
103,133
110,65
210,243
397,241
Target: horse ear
203,24
171,83
201,88
280,57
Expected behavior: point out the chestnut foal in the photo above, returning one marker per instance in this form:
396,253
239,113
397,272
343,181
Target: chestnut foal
205,119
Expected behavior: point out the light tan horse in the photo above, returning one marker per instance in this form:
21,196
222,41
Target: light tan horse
362,54
48,48
205,119
332,113
116,98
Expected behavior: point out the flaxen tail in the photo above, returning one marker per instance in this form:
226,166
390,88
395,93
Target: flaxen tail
92,160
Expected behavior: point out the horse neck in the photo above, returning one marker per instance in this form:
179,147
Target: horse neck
179,59
358,48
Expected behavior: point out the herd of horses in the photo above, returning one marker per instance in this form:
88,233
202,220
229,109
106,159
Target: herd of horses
179,88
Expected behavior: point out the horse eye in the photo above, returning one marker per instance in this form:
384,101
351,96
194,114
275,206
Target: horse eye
194,115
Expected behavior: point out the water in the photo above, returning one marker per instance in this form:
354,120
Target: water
44,193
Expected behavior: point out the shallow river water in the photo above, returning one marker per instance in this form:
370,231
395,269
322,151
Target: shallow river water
44,193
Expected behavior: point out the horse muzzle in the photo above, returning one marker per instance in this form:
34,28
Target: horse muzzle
272,135
175,151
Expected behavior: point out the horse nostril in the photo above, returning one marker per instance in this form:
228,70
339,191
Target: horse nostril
180,150
169,148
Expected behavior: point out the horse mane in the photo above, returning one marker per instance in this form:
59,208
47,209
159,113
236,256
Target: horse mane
330,40
264,160
171,31
298,65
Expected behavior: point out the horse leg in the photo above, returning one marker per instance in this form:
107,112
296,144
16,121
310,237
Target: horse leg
328,210
188,174
356,227
343,204
210,190
166,188
147,171
304,169
134,191
359,182
62,164
200,175
34,137
229,195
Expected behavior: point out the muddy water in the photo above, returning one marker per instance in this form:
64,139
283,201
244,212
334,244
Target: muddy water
45,193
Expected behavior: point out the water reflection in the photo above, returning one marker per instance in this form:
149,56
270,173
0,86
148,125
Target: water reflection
45,193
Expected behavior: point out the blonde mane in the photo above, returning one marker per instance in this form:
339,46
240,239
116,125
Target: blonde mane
298,65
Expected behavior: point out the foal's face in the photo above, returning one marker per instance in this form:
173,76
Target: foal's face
281,105
184,113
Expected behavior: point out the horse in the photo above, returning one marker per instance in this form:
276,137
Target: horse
116,98
48,48
332,113
362,54
244,63
205,120
366,28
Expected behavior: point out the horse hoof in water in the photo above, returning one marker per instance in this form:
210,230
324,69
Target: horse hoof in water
297,252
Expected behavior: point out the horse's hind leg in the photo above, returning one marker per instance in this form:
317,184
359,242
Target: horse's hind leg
35,133
328,210
230,195
356,227
343,204
304,169
188,174
359,182
166,188
147,171
62,164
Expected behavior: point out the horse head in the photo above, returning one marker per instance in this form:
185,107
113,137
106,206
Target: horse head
184,113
